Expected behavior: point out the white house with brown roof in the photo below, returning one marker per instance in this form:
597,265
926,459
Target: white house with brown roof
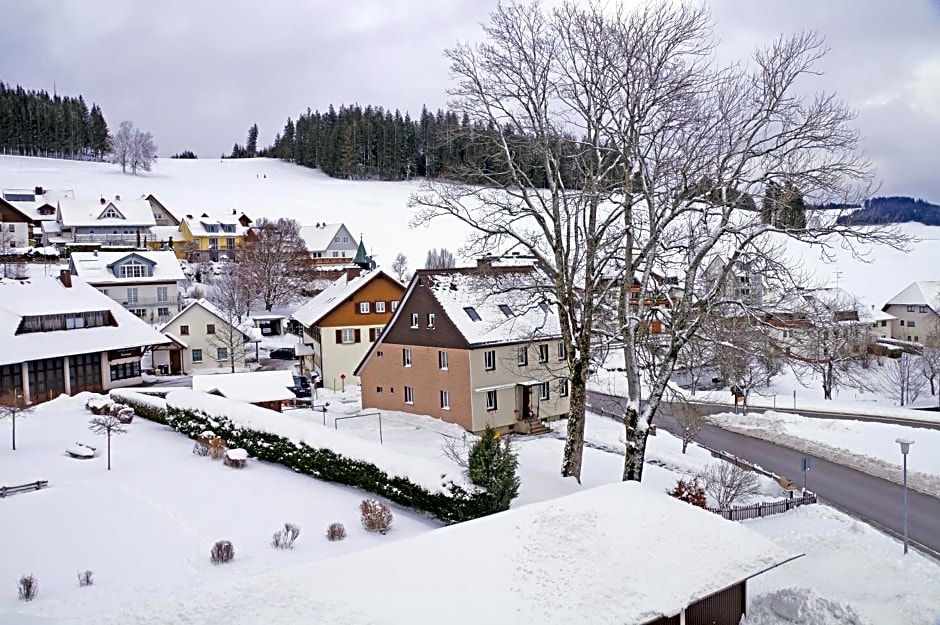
915,311
341,322
61,335
146,283
473,346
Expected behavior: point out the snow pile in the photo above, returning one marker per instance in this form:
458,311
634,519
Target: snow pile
430,474
121,394
800,605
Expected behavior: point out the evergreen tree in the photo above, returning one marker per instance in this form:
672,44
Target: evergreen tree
492,465
251,145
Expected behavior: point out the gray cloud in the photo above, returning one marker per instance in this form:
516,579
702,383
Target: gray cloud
197,73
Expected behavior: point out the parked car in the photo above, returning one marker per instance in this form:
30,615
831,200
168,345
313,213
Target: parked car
283,353
301,387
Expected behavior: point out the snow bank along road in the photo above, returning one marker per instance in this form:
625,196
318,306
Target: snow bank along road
869,498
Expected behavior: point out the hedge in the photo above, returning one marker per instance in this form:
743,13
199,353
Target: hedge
456,505
138,401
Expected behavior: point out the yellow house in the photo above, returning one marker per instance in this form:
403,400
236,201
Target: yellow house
204,238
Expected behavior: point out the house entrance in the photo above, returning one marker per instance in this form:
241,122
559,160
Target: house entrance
176,361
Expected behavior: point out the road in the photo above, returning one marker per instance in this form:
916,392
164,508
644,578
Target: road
869,498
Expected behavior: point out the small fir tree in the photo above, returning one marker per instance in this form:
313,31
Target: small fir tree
492,465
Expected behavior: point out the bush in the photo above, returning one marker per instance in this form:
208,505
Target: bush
222,552
217,448
492,465
335,531
728,483
689,491
28,587
150,408
125,414
284,538
86,578
200,449
99,405
376,516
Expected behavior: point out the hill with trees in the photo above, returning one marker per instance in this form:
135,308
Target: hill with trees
894,209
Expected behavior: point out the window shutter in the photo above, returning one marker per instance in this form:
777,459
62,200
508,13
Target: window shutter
372,335
358,308
339,336
358,335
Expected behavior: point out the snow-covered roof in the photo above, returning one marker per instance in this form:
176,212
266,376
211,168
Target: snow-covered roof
924,293
197,225
91,213
613,555
246,327
254,387
319,237
95,267
46,295
495,305
165,233
335,294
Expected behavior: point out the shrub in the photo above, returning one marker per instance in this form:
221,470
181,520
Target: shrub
98,405
690,491
28,587
222,552
150,408
200,449
376,516
492,465
125,414
284,538
335,531
86,578
217,448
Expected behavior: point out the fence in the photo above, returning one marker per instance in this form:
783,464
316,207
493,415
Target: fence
22,488
763,509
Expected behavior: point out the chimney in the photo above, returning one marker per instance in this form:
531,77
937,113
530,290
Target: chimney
189,216
103,201
95,253
65,277
352,273
485,261
233,211
39,191
117,198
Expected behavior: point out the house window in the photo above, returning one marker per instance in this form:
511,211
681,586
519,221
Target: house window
406,357
489,360
562,352
884,324
563,387
162,294
378,390
230,242
133,270
491,400
131,295
335,254
222,353
140,312
184,330
11,228
163,311
409,395
110,214
910,308
543,353
916,339
124,371
506,310
394,305
472,313
431,319
445,400
210,328
197,355
922,309
380,307
364,307
902,323
522,356
442,360
348,336
380,354
213,243
910,324
543,391
414,321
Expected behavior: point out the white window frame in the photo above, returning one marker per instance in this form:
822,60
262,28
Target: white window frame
492,403
562,352
364,308
563,387
132,295
544,391
415,320
406,357
431,319
221,353
163,294
410,395
380,307
522,356
197,352
443,360
543,352
489,360
348,336
445,400
394,305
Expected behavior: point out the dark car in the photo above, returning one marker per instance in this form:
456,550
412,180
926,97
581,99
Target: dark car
301,387
283,353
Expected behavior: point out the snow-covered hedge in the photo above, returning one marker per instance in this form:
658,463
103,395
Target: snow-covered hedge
147,406
329,455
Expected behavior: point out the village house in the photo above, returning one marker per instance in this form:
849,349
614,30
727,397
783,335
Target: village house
915,311
60,335
38,204
341,322
146,283
161,214
207,238
329,244
473,346
267,389
15,228
121,223
744,283
201,338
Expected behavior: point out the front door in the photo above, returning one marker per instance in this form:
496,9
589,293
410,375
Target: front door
524,394
176,361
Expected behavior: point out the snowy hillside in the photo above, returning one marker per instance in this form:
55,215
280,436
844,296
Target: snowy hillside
378,211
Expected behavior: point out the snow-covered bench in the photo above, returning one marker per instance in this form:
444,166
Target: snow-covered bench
80,451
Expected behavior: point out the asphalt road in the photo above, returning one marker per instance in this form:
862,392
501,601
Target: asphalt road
869,498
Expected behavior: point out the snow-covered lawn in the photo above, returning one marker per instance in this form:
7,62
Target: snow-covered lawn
145,528
868,446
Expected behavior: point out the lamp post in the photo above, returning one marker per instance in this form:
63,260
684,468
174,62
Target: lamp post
905,444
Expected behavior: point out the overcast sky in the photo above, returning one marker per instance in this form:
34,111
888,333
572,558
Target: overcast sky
198,73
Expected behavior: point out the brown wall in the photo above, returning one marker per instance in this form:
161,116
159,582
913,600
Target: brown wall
424,376
444,334
380,289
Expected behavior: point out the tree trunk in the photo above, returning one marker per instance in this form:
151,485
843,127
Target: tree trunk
636,444
574,442
685,444
14,432
109,450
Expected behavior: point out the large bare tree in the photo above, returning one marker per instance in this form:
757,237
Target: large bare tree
231,293
622,153
275,261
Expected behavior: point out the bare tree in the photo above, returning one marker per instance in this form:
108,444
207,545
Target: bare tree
400,267
108,425
443,259
930,357
619,151
143,152
14,405
275,261
121,145
901,379
231,294
690,420
728,483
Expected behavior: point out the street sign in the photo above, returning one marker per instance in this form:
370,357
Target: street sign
805,464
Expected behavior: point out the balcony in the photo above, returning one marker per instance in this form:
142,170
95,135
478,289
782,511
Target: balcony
145,302
123,240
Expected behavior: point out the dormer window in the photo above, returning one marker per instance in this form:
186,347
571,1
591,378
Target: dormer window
505,309
111,213
133,270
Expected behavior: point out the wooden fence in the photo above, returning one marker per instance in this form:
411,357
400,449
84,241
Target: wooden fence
22,488
763,509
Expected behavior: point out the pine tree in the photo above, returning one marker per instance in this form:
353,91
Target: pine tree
251,144
492,465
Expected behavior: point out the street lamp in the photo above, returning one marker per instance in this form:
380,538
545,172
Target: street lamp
905,444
